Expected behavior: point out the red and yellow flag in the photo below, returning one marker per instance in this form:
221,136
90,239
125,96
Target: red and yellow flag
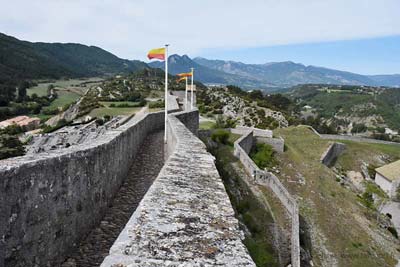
187,74
158,53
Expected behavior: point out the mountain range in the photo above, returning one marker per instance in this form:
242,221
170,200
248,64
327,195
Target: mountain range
270,75
27,60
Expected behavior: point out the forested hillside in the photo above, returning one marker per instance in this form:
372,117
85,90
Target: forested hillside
26,60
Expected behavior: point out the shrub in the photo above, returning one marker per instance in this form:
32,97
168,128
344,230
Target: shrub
371,171
50,111
393,231
99,122
220,136
157,104
263,155
10,146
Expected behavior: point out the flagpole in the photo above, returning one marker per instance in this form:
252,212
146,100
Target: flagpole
186,94
166,94
191,104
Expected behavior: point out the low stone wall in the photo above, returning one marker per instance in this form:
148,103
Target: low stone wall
351,138
356,139
50,200
270,180
331,153
185,219
242,130
173,105
278,144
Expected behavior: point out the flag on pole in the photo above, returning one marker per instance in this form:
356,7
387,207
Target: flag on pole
162,54
158,53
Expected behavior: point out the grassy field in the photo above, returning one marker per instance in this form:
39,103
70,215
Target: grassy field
108,103
343,232
206,125
41,88
64,98
358,153
100,112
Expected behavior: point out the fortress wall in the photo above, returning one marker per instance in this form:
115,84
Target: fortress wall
185,218
351,138
332,152
50,200
242,130
273,182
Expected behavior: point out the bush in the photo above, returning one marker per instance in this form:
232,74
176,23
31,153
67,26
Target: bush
371,171
157,104
263,156
393,231
99,122
10,146
50,111
359,128
220,136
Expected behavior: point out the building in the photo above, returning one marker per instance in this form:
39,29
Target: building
25,122
388,178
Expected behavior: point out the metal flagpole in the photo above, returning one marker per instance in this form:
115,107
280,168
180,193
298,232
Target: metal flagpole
166,93
191,101
186,94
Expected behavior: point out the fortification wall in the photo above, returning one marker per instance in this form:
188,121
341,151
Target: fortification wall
351,138
185,219
331,153
273,182
242,130
50,200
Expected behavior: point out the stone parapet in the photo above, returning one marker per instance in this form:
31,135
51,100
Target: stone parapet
186,218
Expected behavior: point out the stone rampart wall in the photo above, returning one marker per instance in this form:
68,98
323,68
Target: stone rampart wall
50,200
351,138
242,130
185,218
273,182
331,153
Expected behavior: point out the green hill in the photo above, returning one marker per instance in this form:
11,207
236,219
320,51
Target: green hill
374,106
26,60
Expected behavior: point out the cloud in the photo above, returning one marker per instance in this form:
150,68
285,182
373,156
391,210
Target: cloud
129,28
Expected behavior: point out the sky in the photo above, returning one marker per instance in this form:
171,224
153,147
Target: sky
361,36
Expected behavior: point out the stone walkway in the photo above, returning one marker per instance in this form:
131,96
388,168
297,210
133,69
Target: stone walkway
145,168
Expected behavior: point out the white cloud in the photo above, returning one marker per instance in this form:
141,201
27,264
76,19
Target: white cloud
130,28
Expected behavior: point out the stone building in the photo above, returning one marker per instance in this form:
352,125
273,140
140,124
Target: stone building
388,178
25,122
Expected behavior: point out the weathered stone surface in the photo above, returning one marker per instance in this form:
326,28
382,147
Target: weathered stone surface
185,219
50,200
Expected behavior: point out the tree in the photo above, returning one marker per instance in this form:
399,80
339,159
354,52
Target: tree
359,128
22,91
7,94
